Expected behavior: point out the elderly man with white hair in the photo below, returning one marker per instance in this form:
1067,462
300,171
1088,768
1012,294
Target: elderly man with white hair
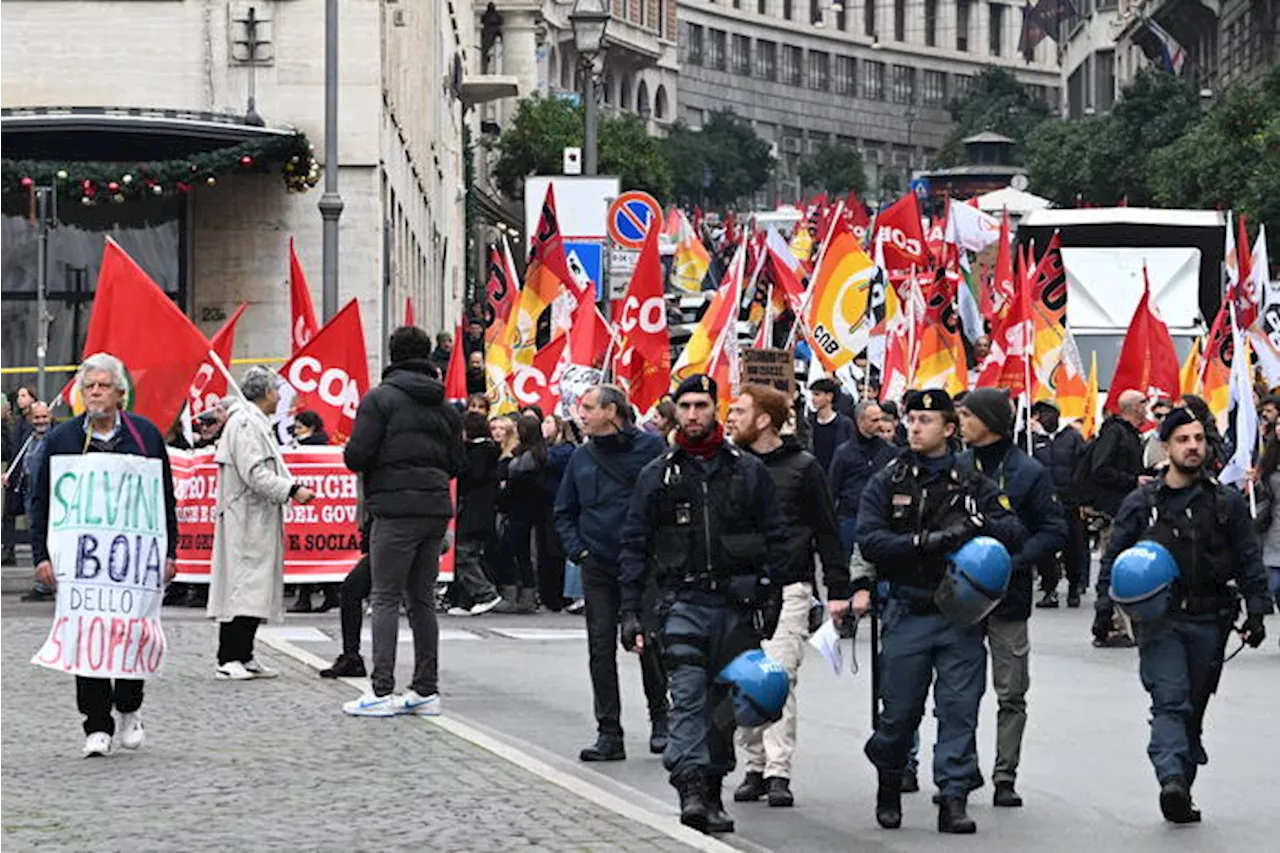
103,428
247,580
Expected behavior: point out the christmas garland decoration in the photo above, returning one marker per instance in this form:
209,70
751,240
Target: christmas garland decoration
92,182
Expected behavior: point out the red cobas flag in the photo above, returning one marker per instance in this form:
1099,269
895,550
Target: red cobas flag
210,384
899,227
330,374
647,352
1148,361
302,313
136,322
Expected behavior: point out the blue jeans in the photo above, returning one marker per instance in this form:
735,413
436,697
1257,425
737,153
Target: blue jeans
848,533
913,648
698,640
1180,661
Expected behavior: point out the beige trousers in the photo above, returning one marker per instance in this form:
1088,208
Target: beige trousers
768,749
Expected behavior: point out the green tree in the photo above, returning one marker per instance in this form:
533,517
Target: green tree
543,127
720,164
997,102
834,168
1104,159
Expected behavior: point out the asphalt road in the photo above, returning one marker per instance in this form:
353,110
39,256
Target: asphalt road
1085,775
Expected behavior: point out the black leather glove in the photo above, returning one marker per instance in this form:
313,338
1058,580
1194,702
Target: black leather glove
1253,632
944,541
1102,622
629,628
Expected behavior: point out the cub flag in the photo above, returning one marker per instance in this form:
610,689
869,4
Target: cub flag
898,226
691,262
841,312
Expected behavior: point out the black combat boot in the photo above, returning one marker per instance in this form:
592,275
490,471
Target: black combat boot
718,819
953,818
693,802
1006,796
751,789
780,792
346,666
1073,596
889,800
606,748
910,782
1175,801
658,735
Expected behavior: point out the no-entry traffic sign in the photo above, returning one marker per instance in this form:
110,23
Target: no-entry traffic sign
630,216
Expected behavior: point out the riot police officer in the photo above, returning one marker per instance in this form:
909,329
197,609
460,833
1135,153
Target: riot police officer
1182,623
704,519
914,513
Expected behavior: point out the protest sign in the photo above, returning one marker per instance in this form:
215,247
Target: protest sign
107,542
321,539
773,367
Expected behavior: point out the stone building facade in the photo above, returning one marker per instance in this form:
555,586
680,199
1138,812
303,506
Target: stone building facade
401,157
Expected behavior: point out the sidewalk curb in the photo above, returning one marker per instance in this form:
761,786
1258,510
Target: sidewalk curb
666,824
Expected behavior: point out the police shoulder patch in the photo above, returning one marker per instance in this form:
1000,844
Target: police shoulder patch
1004,501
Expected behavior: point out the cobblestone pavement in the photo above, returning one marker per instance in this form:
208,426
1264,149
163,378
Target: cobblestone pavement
266,765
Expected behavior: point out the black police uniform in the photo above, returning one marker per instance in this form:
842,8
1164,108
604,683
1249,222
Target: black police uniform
1207,528
912,514
710,530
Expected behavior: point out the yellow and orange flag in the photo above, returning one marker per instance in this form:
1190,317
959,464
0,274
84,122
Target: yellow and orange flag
1089,421
545,274
1189,373
696,356
941,361
840,315
691,261
1049,320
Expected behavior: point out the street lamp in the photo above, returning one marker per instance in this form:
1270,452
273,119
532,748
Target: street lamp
589,19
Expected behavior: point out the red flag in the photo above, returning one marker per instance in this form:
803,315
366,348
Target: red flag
537,384
1241,290
1001,293
856,214
408,315
1012,344
210,385
899,228
331,373
302,323
589,337
134,320
455,376
644,325
1148,362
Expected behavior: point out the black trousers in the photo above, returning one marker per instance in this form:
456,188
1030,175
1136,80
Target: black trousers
603,597
355,589
235,639
1075,557
95,697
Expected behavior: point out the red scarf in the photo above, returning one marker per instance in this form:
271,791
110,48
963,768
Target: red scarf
703,448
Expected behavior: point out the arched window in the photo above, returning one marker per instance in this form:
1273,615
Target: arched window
660,103
566,72
609,87
624,92
642,99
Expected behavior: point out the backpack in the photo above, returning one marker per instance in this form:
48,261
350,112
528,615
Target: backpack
1083,489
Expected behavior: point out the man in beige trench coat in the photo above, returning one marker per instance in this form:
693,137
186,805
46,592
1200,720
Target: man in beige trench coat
247,581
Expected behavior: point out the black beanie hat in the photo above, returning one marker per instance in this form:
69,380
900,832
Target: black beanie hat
991,406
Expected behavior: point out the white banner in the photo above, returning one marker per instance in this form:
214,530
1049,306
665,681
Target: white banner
107,541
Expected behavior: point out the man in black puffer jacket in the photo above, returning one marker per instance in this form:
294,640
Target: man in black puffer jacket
1058,448
986,422
809,521
408,445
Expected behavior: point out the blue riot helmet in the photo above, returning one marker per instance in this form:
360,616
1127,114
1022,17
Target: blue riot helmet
977,578
1142,581
759,687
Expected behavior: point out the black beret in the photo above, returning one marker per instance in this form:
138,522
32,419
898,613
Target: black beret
1179,417
931,400
698,383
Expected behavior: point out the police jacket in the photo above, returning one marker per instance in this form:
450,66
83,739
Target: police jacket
696,523
1207,528
591,504
852,466
1117,462
407,442
914,495
1029,488
1058,453
808,517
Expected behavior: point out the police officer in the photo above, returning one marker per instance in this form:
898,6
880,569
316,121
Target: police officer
704,517
916,511
1207,529
986,424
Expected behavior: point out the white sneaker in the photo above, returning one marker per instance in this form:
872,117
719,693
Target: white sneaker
130,730
485,606
98,743
257,670
232,671
370,705
459,611
414,703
